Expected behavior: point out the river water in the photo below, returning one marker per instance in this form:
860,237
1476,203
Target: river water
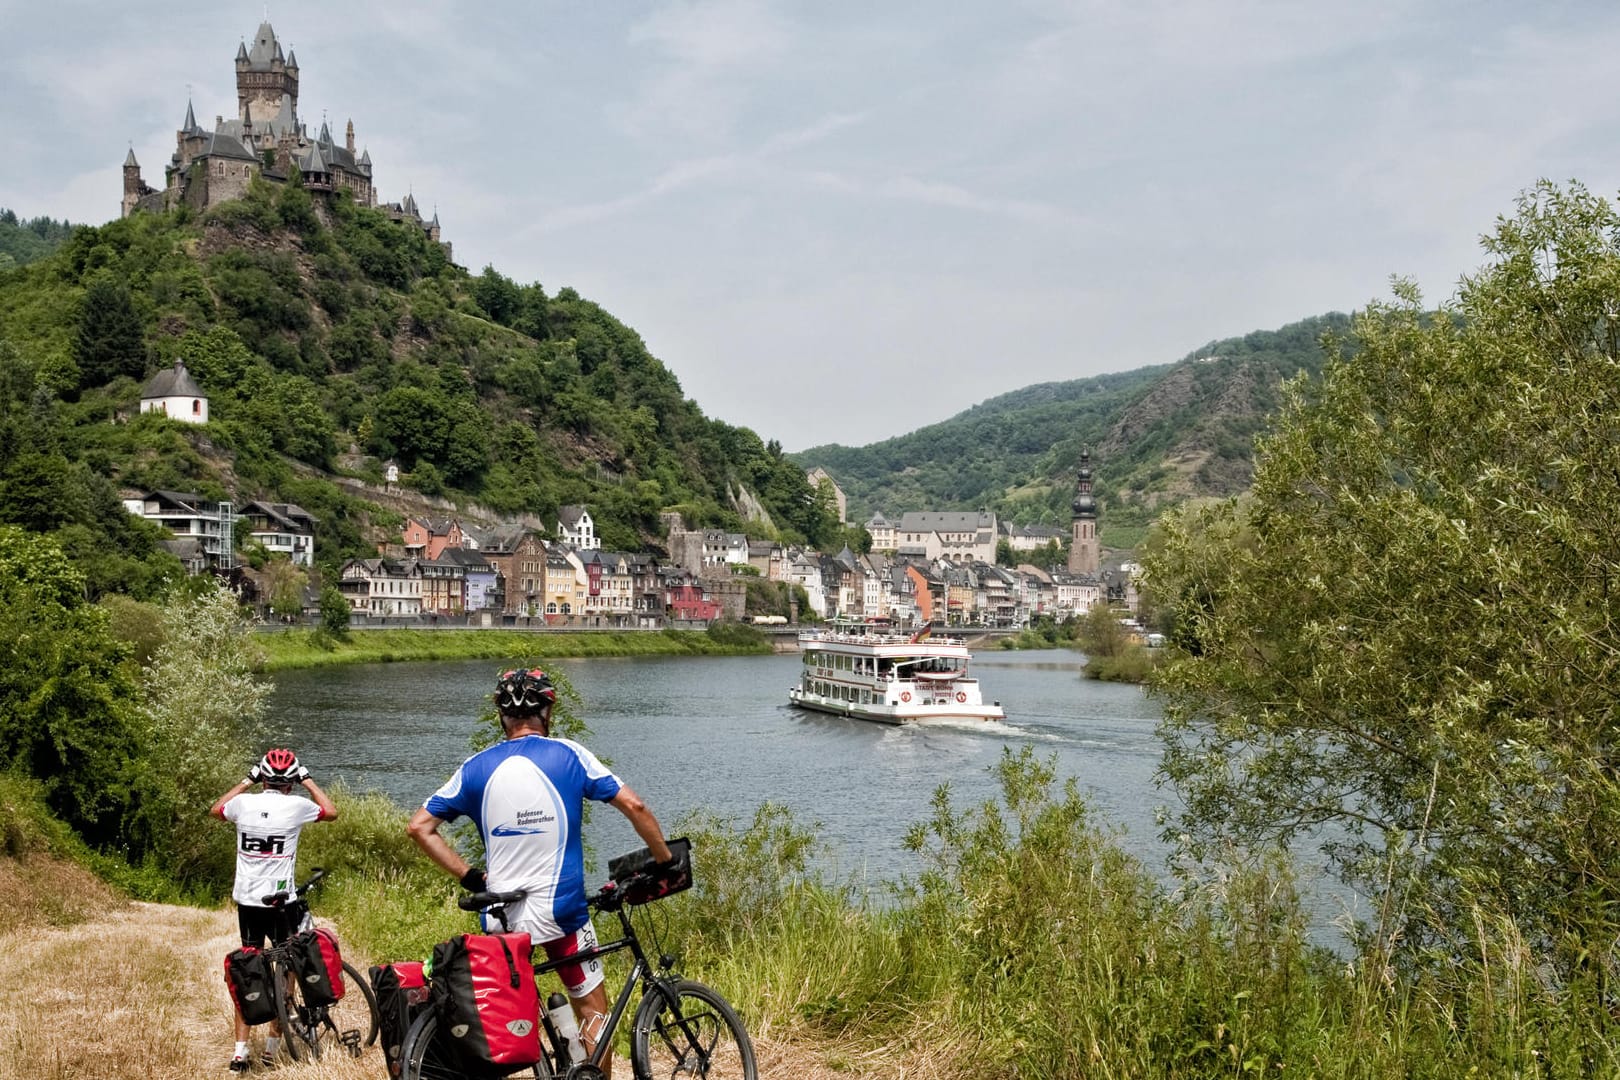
716,734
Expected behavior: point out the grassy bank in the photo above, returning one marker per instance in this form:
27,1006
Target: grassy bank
1032,945
302,649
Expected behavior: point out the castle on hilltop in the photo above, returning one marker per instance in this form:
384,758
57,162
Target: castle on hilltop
266,139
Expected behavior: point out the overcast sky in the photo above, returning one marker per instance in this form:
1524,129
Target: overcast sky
839,222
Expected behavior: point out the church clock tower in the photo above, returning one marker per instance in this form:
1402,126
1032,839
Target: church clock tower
1084,557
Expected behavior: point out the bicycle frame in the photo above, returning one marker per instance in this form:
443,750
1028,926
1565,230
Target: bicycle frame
641,974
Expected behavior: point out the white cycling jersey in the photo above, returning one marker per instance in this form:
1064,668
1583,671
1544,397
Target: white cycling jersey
526,796
267,828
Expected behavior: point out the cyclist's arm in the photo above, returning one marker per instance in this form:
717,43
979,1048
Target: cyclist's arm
641,819
322,800
424,829
218,809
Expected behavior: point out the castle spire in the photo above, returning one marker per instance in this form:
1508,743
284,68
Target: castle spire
191,119
130,161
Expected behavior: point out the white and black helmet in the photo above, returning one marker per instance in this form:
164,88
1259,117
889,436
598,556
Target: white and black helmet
524,693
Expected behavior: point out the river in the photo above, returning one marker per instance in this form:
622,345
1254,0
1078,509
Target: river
716,734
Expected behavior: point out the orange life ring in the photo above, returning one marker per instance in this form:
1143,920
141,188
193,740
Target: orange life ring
960,697
905,695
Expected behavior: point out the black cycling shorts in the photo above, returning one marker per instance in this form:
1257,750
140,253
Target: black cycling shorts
275,923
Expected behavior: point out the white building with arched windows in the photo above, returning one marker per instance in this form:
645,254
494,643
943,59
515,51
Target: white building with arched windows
174,393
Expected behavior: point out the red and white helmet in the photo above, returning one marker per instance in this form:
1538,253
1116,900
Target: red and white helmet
278,766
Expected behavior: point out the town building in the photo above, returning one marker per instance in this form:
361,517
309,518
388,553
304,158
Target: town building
382,588
953,534
284,529
176,395
881,530
427,538
576,529
204,528
1023,538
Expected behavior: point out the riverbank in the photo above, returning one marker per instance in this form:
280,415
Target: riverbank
307,649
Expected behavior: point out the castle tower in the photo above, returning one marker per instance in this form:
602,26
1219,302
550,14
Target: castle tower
1084,554
349,137
266,82
132,183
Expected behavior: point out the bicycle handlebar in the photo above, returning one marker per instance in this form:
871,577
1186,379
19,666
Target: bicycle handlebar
480,901
280,899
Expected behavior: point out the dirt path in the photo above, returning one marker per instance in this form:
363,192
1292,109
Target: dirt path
139,993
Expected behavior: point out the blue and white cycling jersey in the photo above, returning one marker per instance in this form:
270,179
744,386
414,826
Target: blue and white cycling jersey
526,796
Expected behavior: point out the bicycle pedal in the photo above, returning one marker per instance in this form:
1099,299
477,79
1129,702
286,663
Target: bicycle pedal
351,1042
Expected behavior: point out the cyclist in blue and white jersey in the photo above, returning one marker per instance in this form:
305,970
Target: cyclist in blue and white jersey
526,795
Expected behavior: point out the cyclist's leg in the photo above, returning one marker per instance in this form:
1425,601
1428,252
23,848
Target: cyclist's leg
586,990
255,926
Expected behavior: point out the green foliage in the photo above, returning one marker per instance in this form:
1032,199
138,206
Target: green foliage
25,241
736,634
1100,633
110,340
335,612
1016,453
67,702
202,704
1406,636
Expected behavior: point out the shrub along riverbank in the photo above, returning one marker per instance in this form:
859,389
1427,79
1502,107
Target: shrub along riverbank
302,649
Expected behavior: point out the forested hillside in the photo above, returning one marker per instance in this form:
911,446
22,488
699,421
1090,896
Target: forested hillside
330,342
23,242
1157,435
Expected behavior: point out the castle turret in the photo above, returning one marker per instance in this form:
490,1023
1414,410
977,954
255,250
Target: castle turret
1084,554
349,137
132,183
266,81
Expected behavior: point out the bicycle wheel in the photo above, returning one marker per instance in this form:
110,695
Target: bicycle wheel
685,1029
298,1021
422,1057
351,1024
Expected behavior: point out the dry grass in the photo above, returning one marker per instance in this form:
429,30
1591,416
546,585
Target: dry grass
37,889
139,993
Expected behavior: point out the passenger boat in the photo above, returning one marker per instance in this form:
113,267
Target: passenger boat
871,670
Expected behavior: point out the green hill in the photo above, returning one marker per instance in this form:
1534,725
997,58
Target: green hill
23,242
1157,435
328,341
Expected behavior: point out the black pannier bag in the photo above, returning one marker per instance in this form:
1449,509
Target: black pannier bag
247,973
318,965
402,993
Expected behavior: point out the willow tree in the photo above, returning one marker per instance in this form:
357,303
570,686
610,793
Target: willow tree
1407,639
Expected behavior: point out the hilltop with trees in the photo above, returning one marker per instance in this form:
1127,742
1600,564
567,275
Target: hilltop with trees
331,342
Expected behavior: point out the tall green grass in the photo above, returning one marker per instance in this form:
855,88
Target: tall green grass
1031,944
299,649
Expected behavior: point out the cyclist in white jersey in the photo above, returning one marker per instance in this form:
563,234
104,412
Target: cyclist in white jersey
526,796
267,826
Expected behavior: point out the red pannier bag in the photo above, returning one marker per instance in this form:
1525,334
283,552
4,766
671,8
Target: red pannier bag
248,975
488,1006
318,965
402,994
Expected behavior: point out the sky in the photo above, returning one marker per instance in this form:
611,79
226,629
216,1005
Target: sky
840,222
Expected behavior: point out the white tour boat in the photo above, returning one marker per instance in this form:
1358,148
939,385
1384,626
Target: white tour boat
868,669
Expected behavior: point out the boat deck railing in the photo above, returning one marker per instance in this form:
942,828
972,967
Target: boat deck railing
843,637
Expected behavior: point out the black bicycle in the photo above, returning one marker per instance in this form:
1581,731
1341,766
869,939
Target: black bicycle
311,1030
681,1028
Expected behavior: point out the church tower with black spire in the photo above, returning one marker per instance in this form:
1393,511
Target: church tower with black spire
1084,553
